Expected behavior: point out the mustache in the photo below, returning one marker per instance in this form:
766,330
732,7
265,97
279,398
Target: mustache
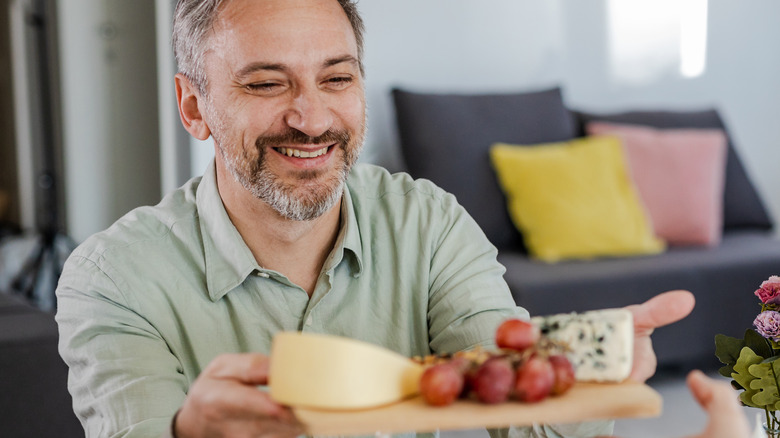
293,136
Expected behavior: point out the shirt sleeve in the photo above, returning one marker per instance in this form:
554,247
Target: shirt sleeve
469,299
123,378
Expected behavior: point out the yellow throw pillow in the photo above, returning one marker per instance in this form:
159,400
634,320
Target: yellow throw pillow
574,199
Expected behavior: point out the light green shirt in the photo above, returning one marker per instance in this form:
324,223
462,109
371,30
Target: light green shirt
144,306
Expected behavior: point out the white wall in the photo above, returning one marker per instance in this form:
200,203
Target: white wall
515,45
454,46
109,86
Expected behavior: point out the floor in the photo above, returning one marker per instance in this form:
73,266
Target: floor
681,415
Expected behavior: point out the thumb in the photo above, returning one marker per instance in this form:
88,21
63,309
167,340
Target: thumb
700,388
713,396
662,309
718,399
248,368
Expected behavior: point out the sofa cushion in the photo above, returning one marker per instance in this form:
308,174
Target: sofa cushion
33,372
742,206
679,174
446,138
574,199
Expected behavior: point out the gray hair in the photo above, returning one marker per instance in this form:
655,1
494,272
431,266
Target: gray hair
194,19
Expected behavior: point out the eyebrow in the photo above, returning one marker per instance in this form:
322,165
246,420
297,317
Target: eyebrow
340,60
254,67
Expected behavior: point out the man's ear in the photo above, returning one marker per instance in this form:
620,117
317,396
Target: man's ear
188,98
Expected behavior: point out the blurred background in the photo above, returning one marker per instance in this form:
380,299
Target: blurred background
115,129
89,127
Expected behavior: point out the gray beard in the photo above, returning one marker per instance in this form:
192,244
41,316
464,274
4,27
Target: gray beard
282,198
289,203
295,209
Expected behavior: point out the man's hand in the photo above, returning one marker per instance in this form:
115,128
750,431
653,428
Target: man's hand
224,401
658,311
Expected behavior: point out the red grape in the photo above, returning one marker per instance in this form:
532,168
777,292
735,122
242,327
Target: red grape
493,380
564,374
517,334
441,384
535,378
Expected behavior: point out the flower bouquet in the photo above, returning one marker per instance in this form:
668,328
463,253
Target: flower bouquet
753,362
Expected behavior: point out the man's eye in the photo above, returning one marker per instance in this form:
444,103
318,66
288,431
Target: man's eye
262,87
339,82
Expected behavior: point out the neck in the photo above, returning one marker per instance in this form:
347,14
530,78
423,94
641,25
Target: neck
297,249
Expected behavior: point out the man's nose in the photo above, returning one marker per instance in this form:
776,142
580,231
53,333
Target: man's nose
309,113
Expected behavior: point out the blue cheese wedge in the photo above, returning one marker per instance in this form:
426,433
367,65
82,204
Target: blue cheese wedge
600,343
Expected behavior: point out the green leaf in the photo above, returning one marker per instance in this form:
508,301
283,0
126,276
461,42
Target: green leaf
743,376
727,349
759,344
765,384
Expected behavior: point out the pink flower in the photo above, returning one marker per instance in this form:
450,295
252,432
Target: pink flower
768,324
769,292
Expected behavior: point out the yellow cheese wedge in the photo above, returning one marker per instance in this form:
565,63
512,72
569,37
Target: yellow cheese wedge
332,372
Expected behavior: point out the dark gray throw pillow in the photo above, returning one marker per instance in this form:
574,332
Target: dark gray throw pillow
742,207
446,138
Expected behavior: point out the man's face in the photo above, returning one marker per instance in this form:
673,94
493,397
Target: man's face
285,101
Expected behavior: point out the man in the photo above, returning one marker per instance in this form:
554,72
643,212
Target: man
173,308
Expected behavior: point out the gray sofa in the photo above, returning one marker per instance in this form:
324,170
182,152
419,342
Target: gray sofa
34,400
446,137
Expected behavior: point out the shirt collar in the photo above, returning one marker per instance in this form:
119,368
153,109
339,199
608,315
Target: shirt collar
349,240
228,260
227,257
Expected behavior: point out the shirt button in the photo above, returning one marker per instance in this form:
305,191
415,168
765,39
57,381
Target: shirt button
262,274
309,321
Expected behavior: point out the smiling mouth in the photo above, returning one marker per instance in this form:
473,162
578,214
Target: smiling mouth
297,153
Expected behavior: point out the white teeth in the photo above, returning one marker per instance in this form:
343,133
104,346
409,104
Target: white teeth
290,152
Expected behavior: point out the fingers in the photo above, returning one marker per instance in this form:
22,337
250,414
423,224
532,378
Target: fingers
238,375
658,311
228,397
644,362
250,368
662,309
224,401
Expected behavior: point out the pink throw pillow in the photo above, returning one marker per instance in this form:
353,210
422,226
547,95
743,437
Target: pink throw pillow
680,175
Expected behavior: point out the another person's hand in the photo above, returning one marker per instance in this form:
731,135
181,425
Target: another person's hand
658,311
225,402
725,416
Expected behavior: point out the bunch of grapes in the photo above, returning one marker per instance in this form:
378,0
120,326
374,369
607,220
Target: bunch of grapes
527,367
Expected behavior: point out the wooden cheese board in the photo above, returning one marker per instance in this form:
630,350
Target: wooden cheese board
584,402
